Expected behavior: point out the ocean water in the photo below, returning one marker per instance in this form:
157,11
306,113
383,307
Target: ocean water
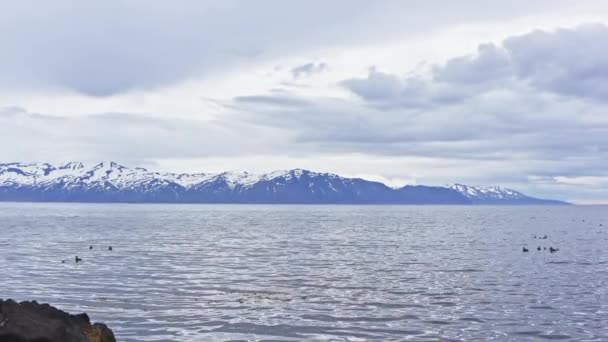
314,273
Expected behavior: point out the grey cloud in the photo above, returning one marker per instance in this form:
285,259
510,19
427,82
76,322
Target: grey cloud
378,86
308,69
569,62
386,91
565,62
478,128
491,63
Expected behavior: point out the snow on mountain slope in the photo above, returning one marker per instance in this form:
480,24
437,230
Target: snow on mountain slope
76,174
497,195
486,192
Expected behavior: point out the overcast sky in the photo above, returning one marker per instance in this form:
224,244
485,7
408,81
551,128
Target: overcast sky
406,92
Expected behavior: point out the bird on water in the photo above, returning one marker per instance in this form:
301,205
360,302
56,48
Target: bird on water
110,248
552,250
77,259
90,247
525,249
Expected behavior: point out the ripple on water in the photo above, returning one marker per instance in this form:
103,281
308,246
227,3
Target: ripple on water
329,318
461,270
472,319
541,307
542,335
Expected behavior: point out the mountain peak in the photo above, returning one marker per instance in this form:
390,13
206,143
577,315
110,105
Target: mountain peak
72,166
109,165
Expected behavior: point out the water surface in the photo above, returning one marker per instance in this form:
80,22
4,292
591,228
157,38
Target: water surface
314,273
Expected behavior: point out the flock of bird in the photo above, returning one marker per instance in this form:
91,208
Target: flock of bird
77,259
544,237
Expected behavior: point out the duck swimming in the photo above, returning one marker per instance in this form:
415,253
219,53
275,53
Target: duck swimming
552,250
77,259
525,249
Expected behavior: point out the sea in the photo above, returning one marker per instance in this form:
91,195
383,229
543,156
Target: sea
314,273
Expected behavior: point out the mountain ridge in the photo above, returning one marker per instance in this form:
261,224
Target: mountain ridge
113,182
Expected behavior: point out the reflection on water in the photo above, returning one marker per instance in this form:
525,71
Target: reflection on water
315,273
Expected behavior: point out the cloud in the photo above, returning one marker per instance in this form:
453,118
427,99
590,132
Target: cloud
501,127
564,62
384,87
308,69
490,64
386,91
568,62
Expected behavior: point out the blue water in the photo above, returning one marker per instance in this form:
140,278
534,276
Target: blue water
314,273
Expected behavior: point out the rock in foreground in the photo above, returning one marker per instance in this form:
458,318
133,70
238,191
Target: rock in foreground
33,322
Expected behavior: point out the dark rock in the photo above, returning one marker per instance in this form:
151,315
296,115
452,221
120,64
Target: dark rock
34,322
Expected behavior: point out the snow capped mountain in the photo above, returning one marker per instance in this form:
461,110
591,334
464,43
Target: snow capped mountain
497,195
494,192
112,182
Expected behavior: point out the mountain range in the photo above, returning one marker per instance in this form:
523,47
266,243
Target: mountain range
112,182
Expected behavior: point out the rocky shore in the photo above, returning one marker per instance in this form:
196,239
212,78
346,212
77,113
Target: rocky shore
34,322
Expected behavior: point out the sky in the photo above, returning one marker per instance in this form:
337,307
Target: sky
510,93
